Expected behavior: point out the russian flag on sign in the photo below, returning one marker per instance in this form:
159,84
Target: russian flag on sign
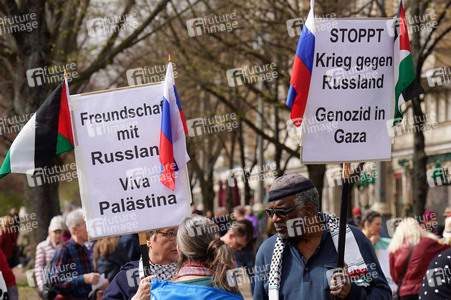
173,154
301,73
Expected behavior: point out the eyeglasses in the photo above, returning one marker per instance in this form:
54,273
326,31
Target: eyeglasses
281,213
171,235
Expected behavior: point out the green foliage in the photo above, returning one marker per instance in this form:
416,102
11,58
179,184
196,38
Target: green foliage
10,200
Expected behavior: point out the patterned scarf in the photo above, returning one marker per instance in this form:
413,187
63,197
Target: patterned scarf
195,269
356,265
163,272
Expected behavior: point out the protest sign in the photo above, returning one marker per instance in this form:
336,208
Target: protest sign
117,135
351,91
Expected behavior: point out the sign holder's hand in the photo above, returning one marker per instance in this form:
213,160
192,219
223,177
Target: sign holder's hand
340,285
143,292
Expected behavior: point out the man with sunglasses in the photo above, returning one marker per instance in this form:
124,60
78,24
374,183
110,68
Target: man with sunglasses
299,262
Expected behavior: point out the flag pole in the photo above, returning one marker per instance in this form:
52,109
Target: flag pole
345,193
170,59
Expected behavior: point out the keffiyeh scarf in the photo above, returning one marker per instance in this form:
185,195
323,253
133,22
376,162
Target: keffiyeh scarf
353,258
163,272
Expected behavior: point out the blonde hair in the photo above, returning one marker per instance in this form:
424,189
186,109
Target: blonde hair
206,247
105,246
409,232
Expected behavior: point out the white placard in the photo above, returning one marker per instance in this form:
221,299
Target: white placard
117,136
351,90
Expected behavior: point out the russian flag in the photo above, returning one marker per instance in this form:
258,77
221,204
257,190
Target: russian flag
301,73
173,154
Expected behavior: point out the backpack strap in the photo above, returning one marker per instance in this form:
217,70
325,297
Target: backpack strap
405,269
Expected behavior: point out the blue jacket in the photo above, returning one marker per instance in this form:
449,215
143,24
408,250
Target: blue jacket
125,284
161,289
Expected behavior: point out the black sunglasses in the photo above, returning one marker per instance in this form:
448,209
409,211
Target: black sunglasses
281,213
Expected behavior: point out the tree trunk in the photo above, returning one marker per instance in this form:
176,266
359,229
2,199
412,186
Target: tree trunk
247,189
419,185
316,174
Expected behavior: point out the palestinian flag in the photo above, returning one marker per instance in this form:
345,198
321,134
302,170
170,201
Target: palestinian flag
47,133
406,87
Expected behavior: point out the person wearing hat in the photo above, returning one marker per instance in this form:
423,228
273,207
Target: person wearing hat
356,219
300,261
46,249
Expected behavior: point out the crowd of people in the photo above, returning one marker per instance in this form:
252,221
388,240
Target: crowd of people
286,250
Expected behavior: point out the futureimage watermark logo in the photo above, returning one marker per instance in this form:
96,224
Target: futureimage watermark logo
424,23
53,275
294,26
334,175
251,74
26,223
255,174
311,125
214,24
429,225
12,125
21,23
106,26
200,227
212,125
148,74
407,125
39,176
52,74
112,225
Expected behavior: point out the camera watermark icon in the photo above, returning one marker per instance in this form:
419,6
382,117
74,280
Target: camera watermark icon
438,177
18,23
52,74
132,276
438,76
106,26
208,25
236,277
391,225
211,125
294,26
296,227
438,276
251,74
